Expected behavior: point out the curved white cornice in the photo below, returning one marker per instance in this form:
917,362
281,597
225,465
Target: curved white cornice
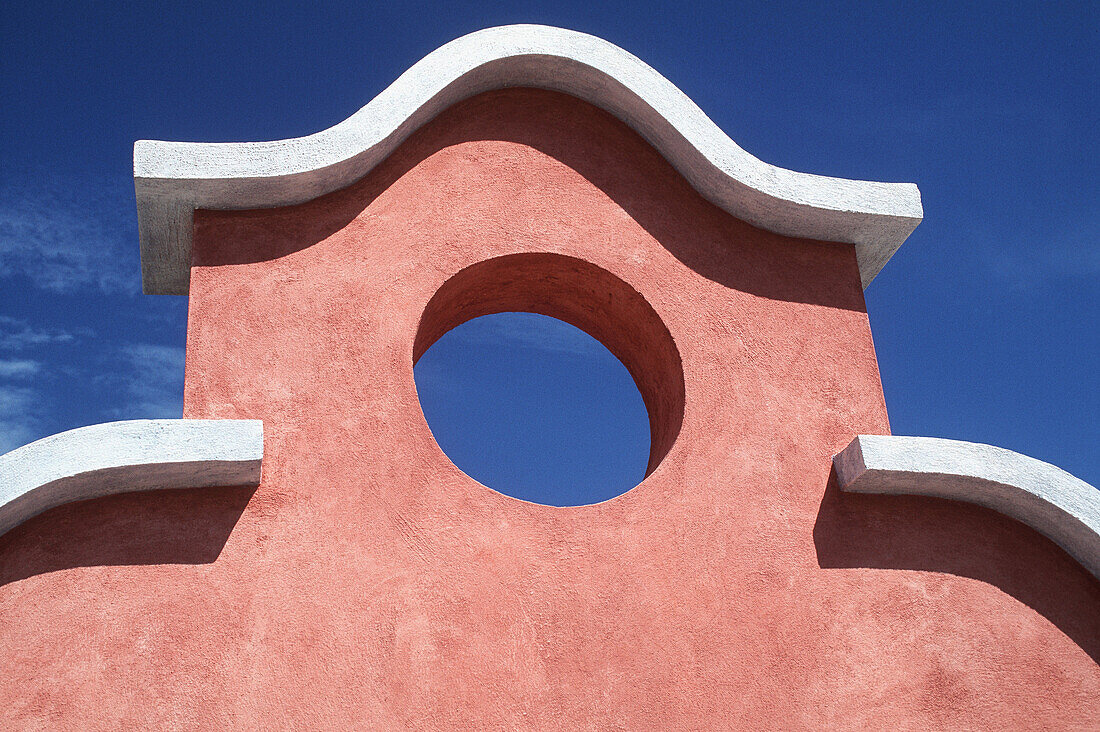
120,457
1048,499
172,179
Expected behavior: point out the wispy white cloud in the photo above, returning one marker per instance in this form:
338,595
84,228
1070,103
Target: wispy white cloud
136,380
18,368
538,335
530,331
68,235
22,396
17,335
20,399
18,417
151,377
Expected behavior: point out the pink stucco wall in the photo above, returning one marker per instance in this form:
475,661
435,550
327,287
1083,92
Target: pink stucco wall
368,583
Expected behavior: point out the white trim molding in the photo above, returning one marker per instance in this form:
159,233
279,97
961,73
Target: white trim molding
172,179
120,457
1048,499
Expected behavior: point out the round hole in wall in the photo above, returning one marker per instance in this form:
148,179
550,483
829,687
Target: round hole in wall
535,408
489,423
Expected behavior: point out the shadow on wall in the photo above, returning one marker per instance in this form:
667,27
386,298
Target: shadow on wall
186,526
609,155
855,530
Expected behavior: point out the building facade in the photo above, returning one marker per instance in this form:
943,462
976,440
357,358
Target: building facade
334,569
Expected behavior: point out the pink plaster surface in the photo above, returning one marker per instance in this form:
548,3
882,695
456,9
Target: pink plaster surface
369,584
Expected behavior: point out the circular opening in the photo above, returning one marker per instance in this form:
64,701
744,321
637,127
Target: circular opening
535,408
582,295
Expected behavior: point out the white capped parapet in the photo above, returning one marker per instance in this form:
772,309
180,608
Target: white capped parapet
120,457
1063,508
172,179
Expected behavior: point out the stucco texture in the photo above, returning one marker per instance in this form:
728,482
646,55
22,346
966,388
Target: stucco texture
368,583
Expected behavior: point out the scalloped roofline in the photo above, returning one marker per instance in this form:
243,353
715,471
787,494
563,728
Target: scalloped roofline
172,179
1058,505
122,457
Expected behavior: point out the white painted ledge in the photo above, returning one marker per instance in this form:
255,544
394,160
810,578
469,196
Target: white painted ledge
120,457
1063,508
172,179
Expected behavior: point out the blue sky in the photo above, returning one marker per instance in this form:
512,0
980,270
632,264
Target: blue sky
535,408
985,322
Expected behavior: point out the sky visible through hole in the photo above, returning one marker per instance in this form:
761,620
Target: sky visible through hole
535,408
